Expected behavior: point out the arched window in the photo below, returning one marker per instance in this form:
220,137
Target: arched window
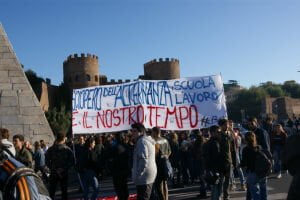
88,77
77,78
96,78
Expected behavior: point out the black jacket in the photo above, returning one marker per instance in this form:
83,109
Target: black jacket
120,159
212,155
228,151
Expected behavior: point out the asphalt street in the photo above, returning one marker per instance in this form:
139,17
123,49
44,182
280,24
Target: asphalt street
277,189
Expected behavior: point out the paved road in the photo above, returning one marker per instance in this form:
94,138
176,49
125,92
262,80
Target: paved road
277,190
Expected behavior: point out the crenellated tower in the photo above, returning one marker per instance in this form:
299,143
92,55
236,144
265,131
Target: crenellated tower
163,69
81,71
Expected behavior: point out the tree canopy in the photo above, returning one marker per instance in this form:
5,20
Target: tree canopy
250,100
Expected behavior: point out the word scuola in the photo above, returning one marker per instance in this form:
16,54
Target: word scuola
150,115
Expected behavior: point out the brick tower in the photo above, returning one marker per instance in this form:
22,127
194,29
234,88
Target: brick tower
81,72
162,69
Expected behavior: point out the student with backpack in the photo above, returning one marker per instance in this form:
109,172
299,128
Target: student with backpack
257,165
263,140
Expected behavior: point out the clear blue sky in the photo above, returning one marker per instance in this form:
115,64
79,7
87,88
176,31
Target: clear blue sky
251,41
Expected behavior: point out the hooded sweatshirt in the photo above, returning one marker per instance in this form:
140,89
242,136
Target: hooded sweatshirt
144,167
9,146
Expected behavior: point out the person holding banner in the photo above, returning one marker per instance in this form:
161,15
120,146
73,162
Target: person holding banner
144,167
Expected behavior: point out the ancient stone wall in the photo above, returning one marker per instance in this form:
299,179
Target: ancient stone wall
20,110
162,69
81,71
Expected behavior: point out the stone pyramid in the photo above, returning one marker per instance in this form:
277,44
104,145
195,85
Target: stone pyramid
20,110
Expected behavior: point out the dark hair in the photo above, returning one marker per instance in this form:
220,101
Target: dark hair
37,144
140,127
20,137
221,122
60,136
250,139
4,133
89,141
252,119
156,130
213,128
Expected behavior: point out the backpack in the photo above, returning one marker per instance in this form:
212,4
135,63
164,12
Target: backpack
18,181
263,164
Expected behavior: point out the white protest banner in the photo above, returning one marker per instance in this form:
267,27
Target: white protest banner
179,104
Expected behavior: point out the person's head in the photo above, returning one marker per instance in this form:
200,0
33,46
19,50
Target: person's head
174,137
182,135
278,129
43,144
18,141
120,137
137,129
98,139
155,132
269,120
4,133
37,145
199,139
81,140
205,132
250,139
214,130
252,123
27,144
224,124
60,138
90,142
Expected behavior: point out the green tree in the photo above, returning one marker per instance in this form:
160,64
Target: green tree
249,100
32,77
59,119
273,90
291,88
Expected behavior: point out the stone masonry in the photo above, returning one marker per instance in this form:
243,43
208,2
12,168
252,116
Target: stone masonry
20,110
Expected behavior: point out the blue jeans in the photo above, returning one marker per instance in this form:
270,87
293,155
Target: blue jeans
88,179
257,187
239,169
277,158
221,186
216,190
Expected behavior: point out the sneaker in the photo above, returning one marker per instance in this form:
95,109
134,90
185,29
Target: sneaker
232,187
243,187
278,176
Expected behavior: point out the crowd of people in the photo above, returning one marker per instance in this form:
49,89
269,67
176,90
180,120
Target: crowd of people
212,157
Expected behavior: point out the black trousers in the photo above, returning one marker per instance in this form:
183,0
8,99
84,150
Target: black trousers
62,179
144,191
120,185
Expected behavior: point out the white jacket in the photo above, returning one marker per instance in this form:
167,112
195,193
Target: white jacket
8,145
144,167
